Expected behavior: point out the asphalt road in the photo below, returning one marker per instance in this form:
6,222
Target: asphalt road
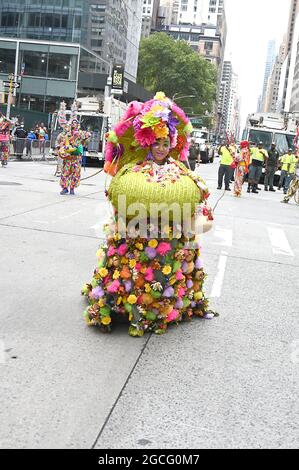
227,383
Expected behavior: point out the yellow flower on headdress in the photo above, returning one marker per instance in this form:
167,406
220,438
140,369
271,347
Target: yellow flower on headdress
160,96
101,303
139,246
161,131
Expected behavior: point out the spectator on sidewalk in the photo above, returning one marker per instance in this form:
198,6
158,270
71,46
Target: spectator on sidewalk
30,137
19,135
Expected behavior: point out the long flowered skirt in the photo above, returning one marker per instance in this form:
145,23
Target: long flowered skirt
4,151
71,173
239,179
149,282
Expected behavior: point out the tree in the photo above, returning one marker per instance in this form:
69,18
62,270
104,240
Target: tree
175,68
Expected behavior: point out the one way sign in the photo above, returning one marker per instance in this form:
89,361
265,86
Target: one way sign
14,84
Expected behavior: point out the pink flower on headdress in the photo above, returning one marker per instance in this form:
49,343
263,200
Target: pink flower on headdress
134,108
184,153
121,128
145,137
109,152
180,113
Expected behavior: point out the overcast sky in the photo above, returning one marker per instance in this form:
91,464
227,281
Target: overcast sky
251,24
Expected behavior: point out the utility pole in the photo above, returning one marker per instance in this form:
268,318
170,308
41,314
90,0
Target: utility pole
10,92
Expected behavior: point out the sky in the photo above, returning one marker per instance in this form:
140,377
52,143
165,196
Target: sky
251,24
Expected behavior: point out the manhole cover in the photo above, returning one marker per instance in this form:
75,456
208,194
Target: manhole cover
8,183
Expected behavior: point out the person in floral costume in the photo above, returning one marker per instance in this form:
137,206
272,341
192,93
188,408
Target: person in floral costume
242,162
5,125
71,151
150,272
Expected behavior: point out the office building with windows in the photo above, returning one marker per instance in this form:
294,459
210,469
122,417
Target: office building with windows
110,28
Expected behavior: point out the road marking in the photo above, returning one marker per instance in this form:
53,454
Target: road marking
225,235
218,282
279,242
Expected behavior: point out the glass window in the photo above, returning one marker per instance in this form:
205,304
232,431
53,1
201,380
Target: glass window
261,136
7,60
35,63
61,66
284,142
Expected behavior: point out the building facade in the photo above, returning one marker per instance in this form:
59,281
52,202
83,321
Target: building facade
274,81
150,16
224,99
268,69
110,28
285,86
169,11
200,11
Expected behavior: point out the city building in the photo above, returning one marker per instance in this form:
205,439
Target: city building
268,68
233,115
150,17
200,11
224,99
285,86
110,28
169,11
49,71
274,80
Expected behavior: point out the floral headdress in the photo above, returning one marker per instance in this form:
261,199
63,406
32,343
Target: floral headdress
141,126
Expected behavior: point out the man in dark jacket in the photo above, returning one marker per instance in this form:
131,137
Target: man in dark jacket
271,168
193,154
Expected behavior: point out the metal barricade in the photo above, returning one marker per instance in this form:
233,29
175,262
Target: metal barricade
28,148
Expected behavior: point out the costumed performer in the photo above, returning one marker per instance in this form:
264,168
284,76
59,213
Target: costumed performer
5,126
156,278
242,161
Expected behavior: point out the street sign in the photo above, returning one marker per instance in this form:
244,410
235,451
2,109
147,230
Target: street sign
196,121
14,84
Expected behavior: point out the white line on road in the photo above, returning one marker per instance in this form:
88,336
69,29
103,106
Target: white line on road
218,282
225,235
279,242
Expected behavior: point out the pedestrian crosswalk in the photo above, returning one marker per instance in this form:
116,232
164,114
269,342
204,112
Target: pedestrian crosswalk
254,239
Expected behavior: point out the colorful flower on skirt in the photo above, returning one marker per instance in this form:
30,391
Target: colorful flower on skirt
163,248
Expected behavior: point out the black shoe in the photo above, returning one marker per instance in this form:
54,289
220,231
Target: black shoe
272,190
258,189
219,187
227,189
279,188
248,190
254,191
266,189
284,201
